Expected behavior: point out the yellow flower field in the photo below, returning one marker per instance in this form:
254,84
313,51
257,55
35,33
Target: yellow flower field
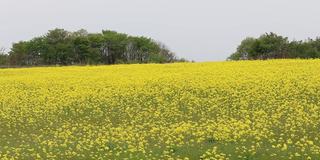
219,110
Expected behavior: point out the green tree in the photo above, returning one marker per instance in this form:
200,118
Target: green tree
19,53
59,47
62,47
267,46
244,50
114,46
3,57
271,45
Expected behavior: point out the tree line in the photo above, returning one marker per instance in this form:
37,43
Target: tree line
61,47
273,46
3,57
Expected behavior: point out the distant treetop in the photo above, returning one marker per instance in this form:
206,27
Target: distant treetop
61,47
273,46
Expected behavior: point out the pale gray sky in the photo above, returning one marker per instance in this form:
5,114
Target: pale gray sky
201,30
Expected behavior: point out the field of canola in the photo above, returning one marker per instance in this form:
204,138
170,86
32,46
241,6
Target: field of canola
219,110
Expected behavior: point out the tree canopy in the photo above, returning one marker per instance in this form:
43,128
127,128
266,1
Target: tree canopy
3,57
61,47
273,46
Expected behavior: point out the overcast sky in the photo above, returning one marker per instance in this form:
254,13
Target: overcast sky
201,30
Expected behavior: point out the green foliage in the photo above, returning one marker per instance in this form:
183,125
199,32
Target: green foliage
157,58
273,46
3,57
60,47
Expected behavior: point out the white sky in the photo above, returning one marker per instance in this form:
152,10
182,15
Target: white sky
201,30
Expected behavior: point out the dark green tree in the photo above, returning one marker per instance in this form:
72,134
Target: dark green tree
273,46
19,53
3,57
61,47
244,50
